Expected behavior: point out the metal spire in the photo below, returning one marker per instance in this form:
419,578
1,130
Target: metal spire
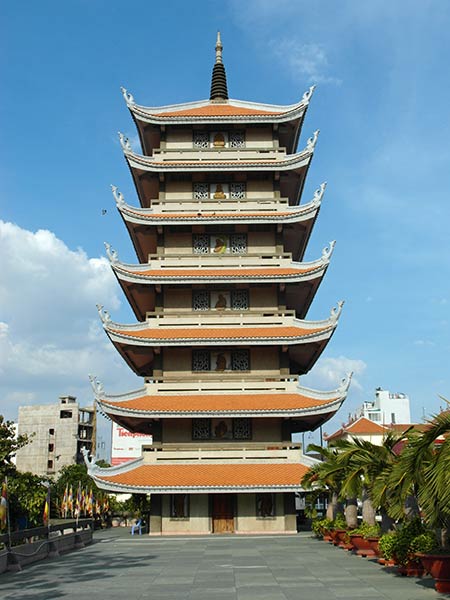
219,90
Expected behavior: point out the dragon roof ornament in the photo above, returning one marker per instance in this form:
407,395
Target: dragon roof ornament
345,383
336,311
103,314
125,143
328,250
128,97
118,196
97,386
318,194
112,254
311,142
307,95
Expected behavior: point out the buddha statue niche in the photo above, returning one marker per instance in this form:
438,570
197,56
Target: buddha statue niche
219,140
219,193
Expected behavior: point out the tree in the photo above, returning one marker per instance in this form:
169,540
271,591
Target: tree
325,477
424,472
26,495
9,444
367,467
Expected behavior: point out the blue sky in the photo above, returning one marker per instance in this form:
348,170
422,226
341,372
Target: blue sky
382,105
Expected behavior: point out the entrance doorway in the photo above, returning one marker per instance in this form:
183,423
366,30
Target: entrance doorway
223,513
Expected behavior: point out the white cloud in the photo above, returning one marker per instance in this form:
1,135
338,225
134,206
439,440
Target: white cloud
50,337
328,373
308,62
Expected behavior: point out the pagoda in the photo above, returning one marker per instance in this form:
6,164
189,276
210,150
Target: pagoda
220,293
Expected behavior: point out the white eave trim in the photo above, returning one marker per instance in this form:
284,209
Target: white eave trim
152,114
310,411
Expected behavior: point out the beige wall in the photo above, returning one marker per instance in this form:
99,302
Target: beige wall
178,361
255,137
176,300
247,522
182,190
198,522
263,430
181,243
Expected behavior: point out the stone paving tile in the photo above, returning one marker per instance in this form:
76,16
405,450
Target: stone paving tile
231,568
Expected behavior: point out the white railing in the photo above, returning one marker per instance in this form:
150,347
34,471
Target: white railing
180,261
192,204
265,152
224,451
220,318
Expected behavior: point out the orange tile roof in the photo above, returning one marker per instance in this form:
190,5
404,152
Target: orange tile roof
221,402
365,427
210,475
165,333
221,272
216,110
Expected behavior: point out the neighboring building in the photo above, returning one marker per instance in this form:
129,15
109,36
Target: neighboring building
387,408
59,431
370,431
127,445
221,295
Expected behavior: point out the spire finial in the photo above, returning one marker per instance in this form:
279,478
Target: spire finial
219,48
219,90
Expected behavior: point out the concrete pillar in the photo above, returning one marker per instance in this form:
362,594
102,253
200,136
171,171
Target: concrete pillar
290,516
155,515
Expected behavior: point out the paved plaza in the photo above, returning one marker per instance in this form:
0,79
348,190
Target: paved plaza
118,566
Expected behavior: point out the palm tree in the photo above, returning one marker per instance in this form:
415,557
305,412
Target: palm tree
367,466
324,477
424,471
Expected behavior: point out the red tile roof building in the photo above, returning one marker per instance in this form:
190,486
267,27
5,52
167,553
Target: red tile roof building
221,294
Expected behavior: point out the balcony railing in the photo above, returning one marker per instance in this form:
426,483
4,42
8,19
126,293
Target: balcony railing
222,452
192,204
190,261
221,318
193,153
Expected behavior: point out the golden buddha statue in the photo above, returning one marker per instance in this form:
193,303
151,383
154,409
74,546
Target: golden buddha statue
219,194
219,140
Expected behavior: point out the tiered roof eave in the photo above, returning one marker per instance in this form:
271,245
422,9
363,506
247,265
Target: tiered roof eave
292,271
295,401
207,111
277,215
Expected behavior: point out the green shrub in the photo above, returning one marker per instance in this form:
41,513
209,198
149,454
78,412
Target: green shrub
320,525
340,522
387,545
402,544
425,542
366,530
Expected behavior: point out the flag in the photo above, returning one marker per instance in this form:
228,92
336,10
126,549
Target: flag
65,503
78,502
90,506
70,501
4,506
46,515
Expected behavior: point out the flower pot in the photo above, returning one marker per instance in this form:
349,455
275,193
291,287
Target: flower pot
361,545
413,568
373,541
343,539
334,533
438,566
327,536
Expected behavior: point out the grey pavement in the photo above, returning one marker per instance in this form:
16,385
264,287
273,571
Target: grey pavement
291,567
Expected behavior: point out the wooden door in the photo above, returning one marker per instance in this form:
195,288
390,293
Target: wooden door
223,513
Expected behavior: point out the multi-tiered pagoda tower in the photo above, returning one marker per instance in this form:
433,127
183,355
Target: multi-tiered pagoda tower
220,295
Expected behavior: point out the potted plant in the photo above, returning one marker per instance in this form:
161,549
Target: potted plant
386,545
321,528
423,471
402,545
360,539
